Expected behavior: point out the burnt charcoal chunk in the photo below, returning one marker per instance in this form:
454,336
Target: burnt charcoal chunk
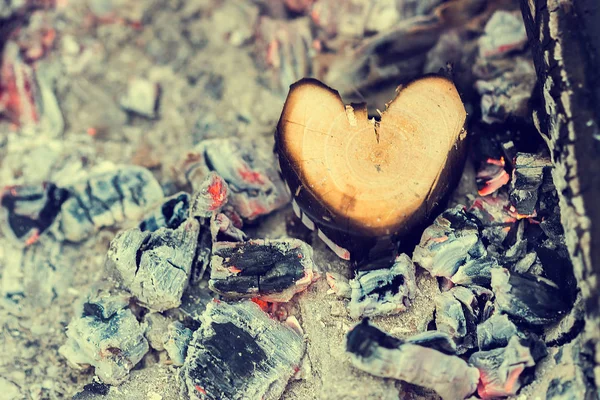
113,346
272,269
383,291
475,272
529,173
176,343
436,340
248,169
31,209
449,243
501,369
239,352
97,388
155,266
106,199
170,214
495,332
380,354
528,298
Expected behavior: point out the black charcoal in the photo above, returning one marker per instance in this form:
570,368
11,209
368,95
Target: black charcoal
501,369
275,270
449,243
106,199
239,352
249,170
170,214
495,332
383,291
528,298
210,196
380,354
176,342
113,346
528,176
29,210
155,266
103,304
436,340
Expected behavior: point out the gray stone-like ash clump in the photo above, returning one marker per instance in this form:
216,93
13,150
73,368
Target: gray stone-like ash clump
155,266
383,291
239,352
275,270
380,354
108,337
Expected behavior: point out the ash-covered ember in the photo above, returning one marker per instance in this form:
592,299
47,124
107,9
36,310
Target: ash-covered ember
155,266
110,340
528,298
249,170
210,197
273,270
171,213
449,243
491,176
340,285
383,291
531,171
436,340
141,97
380,354
501,369
239,352
17,88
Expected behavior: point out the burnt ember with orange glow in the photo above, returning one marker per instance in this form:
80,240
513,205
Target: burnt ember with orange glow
358,180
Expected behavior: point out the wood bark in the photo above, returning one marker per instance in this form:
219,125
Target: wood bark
565,41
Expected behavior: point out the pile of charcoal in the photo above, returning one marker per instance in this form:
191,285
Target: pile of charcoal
189,283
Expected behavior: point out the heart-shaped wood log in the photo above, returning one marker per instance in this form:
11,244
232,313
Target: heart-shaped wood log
366,178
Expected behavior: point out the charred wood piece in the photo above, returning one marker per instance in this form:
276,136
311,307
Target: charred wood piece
274,270
210,197
495,332
380,354
170,214
530,172
383,291
155,266
113,346
501,369
449,244
222,229
249,170
528,298
239,352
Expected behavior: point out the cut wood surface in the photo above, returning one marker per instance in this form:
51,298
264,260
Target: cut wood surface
368,177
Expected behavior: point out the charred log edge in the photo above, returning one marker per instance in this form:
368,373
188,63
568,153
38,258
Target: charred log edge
565,52
364,248
568,336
